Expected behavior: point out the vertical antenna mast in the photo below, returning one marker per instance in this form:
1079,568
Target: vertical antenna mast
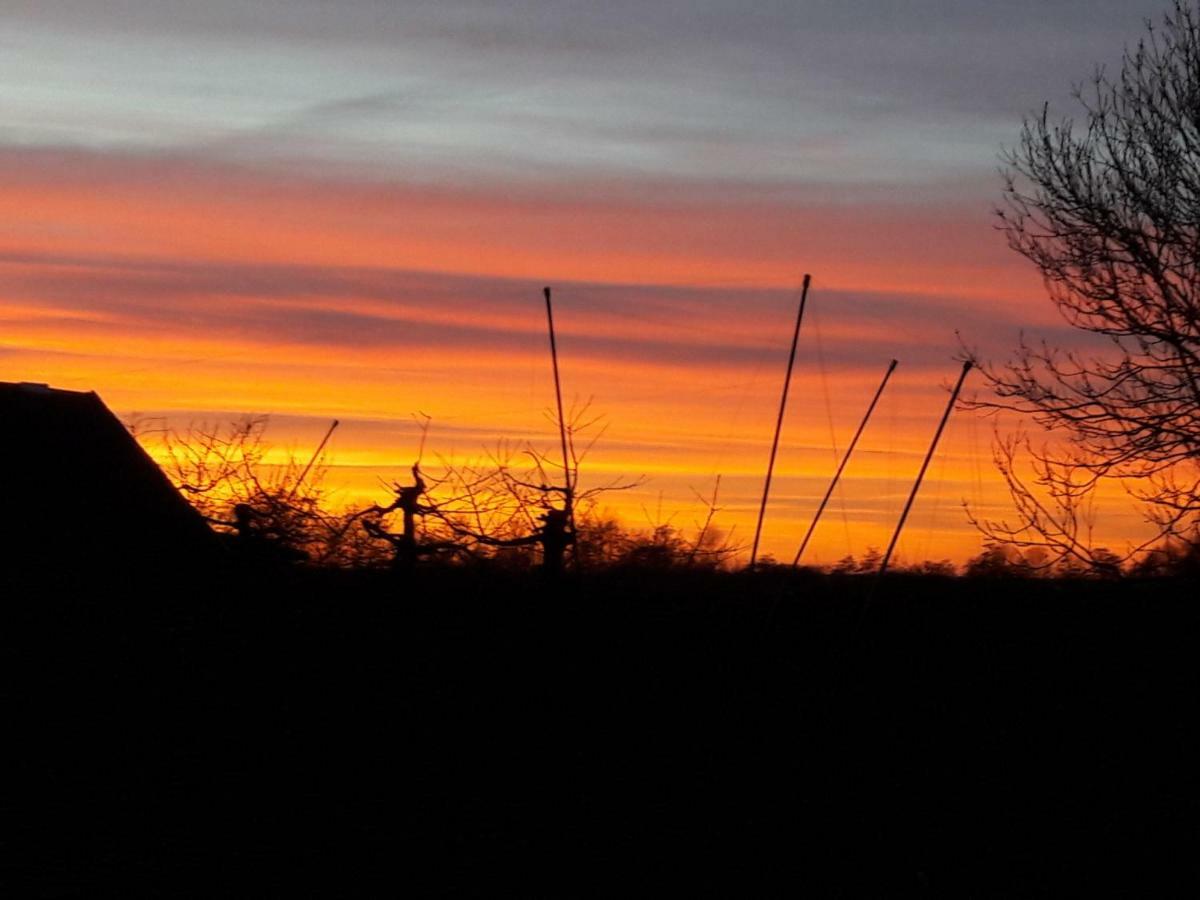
562,422
845,459
887,557
762,510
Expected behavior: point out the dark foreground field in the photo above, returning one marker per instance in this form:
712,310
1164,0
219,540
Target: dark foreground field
624,735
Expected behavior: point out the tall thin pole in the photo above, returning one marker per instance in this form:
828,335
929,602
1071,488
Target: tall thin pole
887,557
562,422
316,453
787,380
845,459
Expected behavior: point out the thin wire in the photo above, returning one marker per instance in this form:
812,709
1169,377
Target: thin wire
833,445
936,509
977,466
723,447
167,364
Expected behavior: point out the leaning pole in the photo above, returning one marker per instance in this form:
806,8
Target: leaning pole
316,454
569,498
887,557
845,459
787,380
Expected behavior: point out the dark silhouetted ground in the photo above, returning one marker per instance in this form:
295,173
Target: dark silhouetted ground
630,734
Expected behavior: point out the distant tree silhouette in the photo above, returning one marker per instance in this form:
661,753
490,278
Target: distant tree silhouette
1009,560
606,542
271,511
414,542
1000,560
941,568
664,544
507,506
512,507
1171,557
1109,212
849,565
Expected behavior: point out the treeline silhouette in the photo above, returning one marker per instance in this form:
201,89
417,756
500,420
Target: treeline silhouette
512,507
507,507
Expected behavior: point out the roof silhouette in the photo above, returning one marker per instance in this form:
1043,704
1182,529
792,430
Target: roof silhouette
81,496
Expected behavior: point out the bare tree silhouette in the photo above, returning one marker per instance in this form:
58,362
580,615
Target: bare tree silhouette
270,510
1109,212
512,506
521,499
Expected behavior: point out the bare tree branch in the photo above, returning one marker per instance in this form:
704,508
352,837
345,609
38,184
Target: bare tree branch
1108,210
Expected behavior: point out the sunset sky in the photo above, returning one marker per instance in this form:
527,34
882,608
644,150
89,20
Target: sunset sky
348,209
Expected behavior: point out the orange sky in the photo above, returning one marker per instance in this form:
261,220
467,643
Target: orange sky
316,210
201,291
